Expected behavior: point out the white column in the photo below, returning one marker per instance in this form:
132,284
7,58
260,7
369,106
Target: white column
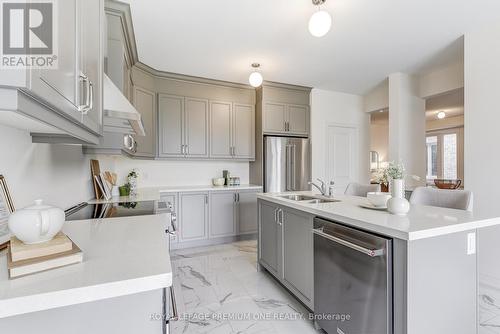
407,125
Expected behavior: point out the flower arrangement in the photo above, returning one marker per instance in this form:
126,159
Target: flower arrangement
132,181
395,171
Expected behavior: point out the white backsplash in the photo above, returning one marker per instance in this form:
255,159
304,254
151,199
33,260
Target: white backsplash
154,173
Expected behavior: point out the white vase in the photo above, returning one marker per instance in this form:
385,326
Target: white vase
398,204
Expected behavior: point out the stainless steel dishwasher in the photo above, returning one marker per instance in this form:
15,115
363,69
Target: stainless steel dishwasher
352,280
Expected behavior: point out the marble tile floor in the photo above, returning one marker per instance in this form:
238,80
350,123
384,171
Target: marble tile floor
489,305
219,290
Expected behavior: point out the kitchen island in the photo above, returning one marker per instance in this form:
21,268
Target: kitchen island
119,287
430,262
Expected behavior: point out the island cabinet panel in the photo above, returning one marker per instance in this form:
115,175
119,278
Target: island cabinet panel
269,237
442,284
247,212
298,249
193,216
222,214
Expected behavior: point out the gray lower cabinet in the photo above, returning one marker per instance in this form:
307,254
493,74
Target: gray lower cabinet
145,102
193,209
247,212
270,238
286,248
222,214
298,254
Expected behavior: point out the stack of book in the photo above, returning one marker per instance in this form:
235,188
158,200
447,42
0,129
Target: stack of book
23,259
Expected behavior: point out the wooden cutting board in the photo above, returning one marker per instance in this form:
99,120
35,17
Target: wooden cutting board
95,169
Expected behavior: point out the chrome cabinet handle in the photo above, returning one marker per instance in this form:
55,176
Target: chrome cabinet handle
171,316
85,80
276,215
90,98
361,249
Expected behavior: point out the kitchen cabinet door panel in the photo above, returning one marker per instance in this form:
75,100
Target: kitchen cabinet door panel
298,248
274,117
91,58
244,131
298,119
222,217
171,122
61,87
193,216
269,237
145,103
247,212
220,129
196,134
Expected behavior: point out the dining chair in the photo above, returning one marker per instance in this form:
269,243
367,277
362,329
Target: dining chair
452,199
356,189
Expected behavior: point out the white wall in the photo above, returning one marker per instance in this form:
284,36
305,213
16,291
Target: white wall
176,173
442,80
379,140
329,107
482,87
378,97
59,174
445,123
407,125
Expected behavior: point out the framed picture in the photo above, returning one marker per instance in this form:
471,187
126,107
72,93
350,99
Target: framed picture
6,208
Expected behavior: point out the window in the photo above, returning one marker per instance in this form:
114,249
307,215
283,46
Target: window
445,154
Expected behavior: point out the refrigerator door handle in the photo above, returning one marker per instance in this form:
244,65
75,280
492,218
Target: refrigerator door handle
288,175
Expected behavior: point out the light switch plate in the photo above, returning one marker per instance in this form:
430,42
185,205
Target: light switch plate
471,243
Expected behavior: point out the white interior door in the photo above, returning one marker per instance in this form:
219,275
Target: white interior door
341,156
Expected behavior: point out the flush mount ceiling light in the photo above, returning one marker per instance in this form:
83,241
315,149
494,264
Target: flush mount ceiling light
321,21
441,115
255,79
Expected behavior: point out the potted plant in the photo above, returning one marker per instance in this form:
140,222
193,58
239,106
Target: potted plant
398,204
132,181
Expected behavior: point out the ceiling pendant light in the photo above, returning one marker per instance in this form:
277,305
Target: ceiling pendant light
321,21
441,115
255,79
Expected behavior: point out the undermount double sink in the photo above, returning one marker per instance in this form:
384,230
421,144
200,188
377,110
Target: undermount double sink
309,199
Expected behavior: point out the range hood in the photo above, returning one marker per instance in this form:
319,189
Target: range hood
119,114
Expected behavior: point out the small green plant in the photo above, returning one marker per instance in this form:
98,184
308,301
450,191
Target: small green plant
133,174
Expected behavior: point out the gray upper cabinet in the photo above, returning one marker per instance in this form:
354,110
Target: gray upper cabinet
170,126
196,127
67,100
274,117
284,118
222,214
298,248
92,58
183,127
298,119
244,131
193,216
232,130
221,129
247,207
145,102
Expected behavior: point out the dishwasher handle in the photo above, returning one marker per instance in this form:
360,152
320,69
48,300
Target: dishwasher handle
361,249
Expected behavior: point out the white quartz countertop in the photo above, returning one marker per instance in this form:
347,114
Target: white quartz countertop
153,193
121,256
421,222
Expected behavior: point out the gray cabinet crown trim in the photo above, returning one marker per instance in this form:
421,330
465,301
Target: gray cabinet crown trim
117,8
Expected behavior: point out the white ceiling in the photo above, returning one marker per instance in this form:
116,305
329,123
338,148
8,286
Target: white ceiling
369,39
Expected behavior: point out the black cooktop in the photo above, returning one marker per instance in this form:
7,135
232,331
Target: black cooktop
110,210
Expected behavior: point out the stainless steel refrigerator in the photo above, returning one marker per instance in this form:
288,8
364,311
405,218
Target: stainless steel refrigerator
287,164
